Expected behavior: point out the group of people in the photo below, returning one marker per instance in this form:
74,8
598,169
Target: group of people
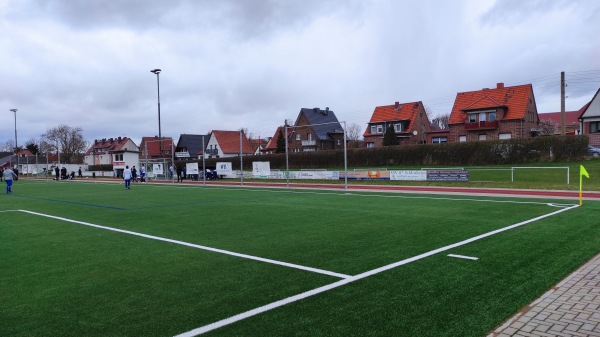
130,175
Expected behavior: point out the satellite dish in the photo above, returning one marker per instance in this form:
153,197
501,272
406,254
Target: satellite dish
415,132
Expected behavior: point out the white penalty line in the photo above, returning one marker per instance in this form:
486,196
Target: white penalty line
463,257
280,303
183,243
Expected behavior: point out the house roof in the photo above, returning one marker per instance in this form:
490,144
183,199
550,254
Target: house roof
515,99
571,117
584,109
323,122
394,113
153,145
108,145
229,142
272,144
193,143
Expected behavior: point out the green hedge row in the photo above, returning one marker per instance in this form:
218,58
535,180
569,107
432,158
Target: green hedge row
497,152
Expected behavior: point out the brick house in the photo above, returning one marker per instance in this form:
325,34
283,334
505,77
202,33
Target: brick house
410,122
271,145
191,146
119,152
315,130
154,148
223,144
589,119
499,113
571,121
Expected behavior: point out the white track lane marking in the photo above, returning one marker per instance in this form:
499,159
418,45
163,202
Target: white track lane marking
264,308
216,250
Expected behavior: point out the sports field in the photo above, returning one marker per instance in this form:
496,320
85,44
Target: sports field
94,259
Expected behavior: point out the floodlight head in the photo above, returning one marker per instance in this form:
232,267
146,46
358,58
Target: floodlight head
156,71
14,110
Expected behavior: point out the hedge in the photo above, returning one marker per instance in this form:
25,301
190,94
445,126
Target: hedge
494,152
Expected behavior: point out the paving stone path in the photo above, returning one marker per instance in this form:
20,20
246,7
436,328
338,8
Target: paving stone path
570,309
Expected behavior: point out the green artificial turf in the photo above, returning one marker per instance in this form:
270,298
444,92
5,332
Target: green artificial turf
68,279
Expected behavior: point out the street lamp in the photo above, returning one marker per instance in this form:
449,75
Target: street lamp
157,71
15,112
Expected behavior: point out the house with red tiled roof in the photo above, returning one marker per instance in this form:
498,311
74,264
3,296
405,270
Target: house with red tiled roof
258,144
589,119
271,146
223,144
118,152
499,113
571,121
315,129
154,148
410,122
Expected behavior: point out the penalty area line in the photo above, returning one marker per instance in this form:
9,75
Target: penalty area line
183,243
301,296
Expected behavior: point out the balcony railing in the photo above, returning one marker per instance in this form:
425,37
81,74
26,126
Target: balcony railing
481,125
309,142
211,151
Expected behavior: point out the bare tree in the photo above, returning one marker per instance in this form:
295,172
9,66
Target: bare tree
8,146
353,135
69,141
440,122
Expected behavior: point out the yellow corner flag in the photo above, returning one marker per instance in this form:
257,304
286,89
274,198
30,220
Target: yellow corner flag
582,172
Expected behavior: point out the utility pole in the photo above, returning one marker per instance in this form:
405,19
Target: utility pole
562,103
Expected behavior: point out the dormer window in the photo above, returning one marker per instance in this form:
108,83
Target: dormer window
398,127
375,129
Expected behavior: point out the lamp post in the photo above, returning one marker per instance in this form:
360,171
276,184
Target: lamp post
16,155
157,71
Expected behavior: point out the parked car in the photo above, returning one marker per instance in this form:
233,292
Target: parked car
593,151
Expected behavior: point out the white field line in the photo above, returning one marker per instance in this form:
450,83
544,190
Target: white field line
273,305
216,250
375,195
463,257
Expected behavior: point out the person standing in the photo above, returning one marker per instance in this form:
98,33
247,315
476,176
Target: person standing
142,174
8,176
57,172
134,174
127,177
79,173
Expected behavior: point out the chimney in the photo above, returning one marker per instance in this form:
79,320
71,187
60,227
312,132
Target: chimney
500,85
316,110
119,139
396,105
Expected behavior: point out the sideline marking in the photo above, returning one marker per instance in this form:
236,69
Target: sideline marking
291,299
74,203
183,243
463,257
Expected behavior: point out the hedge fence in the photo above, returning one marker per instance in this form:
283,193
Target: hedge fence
496,152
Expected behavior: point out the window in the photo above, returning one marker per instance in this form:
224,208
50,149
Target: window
118,157
398,127
370,145
482,137
504,136
462,138
298,137
379,128
339,142
439,140
594,127
482,116
373,129
309,136
492,116
472,118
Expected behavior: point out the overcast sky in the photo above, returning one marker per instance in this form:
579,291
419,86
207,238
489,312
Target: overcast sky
233,64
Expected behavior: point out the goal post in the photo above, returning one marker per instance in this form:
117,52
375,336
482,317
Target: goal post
514,168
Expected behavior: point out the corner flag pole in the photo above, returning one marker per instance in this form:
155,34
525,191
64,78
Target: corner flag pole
582,172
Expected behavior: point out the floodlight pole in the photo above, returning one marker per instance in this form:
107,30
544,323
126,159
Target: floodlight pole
287,163
345,159
16,144
241,160
157,71
203,162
